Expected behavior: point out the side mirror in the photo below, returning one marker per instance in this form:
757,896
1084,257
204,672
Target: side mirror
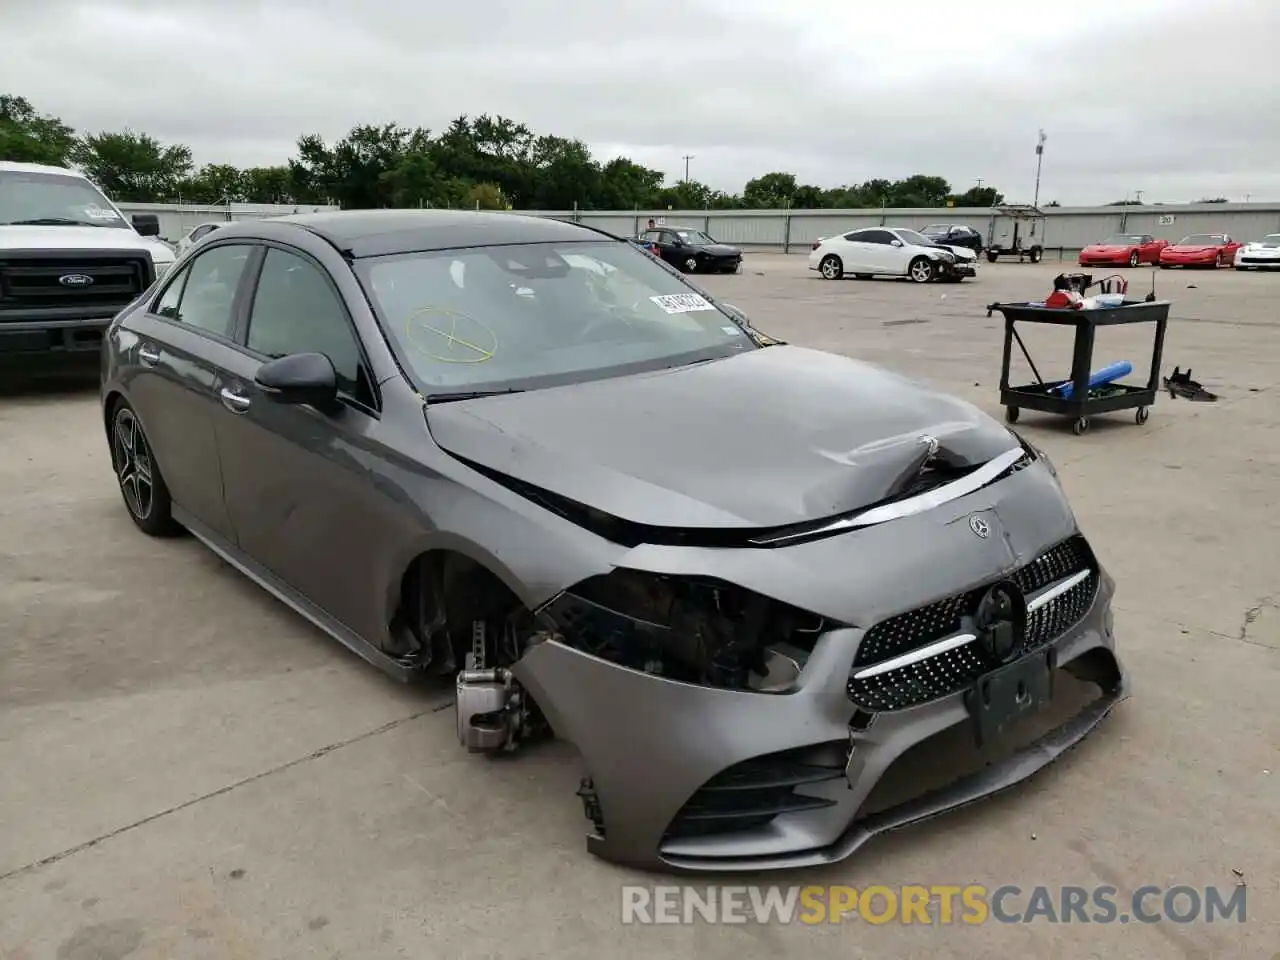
300,378
896,243
146,224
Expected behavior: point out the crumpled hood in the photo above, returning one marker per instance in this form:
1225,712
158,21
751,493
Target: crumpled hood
81,238
777,436
720,249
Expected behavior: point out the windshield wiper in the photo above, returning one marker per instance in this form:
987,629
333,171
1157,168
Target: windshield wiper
469,395
52,222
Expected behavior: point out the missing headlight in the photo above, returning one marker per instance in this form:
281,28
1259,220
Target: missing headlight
697,631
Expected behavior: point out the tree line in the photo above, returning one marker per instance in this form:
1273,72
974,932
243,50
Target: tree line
492,162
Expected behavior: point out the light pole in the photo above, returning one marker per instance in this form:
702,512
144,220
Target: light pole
686,158
1039,160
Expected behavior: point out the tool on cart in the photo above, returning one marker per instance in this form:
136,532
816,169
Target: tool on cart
1108,374
1089,393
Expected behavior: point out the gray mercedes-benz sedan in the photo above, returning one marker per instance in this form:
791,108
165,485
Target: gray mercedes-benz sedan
743,578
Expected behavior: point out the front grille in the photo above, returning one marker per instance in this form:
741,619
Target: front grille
954,670
1271,260
34,283
750,794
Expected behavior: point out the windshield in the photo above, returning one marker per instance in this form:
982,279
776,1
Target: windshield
531,315
936,229
910,236
1123,240
49,198
1271,240
694,236
1202,240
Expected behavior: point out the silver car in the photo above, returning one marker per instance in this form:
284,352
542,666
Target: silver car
525,458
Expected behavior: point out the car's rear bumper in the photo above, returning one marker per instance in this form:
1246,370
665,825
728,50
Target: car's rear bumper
680,736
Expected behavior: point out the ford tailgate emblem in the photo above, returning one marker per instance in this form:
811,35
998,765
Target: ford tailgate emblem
75,280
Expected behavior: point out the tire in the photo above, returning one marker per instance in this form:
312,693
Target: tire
1134,259
992,256
689,265
1140,417
831,267
1080,426
1035,255
1011,414
141,485
921,270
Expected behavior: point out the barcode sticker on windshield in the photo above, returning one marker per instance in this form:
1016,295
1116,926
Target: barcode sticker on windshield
682,302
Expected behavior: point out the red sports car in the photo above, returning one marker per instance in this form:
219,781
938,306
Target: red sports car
1129,249
1200,250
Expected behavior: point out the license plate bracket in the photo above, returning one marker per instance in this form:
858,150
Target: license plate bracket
1008,694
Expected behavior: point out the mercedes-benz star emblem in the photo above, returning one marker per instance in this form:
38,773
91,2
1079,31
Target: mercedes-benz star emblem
1001,621
979,527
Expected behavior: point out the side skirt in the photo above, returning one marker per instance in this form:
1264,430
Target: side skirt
290,598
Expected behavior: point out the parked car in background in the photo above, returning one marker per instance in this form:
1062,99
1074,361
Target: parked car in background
491,450
648,246
1200,250
890,252
1123,249
198,233
1261,255
693,251
69,261
955,235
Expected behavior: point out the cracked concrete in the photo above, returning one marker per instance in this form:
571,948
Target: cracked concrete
191,771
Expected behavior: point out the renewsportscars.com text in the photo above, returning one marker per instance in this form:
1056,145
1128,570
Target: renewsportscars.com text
933,905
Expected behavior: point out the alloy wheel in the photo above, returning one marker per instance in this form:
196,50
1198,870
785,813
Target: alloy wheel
133,464
921,271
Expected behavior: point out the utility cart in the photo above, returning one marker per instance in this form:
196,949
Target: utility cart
1073,396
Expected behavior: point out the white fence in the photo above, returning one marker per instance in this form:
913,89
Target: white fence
176,219
1065,229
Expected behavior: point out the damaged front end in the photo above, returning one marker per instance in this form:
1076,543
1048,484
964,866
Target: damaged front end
750,704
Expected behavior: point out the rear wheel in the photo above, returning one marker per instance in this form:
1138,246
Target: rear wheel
1036,254
920,270
143,488
992,256
689,264
1134,259
831,267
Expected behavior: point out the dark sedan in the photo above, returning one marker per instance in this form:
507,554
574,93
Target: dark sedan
693,251
521,456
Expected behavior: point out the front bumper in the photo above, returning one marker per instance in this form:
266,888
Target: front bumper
1204,260
1105,260
958,269
1257,262
22,340
652,747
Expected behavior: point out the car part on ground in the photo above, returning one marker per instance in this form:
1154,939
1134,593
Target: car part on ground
528,488
69,260
890,251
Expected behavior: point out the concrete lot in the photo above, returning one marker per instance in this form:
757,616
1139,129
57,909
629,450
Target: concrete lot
188,770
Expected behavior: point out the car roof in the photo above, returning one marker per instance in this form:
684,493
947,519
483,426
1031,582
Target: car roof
374,233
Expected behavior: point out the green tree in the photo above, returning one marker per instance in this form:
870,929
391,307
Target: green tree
770,191
979,197
133,167
30,137
214,183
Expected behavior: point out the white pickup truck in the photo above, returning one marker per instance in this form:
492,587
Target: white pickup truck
69,262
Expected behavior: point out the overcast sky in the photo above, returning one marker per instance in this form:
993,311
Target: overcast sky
1177,98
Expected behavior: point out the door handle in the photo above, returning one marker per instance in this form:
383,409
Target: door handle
235,402
149,355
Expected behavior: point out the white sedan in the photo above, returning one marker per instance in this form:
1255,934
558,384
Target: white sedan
198,233
1263,255
890,252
